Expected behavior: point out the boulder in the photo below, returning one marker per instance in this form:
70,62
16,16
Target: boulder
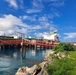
39,69
61,55
35,70
29,71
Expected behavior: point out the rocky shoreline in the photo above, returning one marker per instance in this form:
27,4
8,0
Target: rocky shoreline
37,69
40,69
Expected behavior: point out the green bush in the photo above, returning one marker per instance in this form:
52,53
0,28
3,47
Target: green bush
66,66
63,46
74,48
62,67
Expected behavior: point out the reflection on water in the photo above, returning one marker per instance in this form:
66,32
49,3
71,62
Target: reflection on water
12,59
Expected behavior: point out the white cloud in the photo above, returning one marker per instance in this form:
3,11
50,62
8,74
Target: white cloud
57,4
39,35
13,3
46,24
25,17
36,27
9,24
21,4
43,18
70,35
71,27
37,4
56,14
33,11
51,0
41,23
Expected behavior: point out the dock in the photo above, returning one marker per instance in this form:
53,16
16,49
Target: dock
12,43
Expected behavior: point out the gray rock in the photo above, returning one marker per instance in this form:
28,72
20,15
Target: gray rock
29,71
61,55
39,69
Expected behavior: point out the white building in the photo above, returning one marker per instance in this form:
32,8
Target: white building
52,36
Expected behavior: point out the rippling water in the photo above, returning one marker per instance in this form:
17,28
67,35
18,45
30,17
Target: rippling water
12,59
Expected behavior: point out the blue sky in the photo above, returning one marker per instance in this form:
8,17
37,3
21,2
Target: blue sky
38,17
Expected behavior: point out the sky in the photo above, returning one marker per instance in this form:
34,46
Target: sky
37,17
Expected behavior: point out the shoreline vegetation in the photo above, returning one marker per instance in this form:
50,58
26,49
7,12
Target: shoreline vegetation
61,61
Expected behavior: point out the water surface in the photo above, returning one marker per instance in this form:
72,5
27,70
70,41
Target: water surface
12,59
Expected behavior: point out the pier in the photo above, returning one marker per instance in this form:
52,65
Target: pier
18,43
11,43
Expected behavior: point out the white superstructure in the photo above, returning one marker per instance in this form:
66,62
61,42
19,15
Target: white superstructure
51,36
15,37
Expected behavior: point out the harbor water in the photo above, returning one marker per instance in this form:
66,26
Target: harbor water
12,59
